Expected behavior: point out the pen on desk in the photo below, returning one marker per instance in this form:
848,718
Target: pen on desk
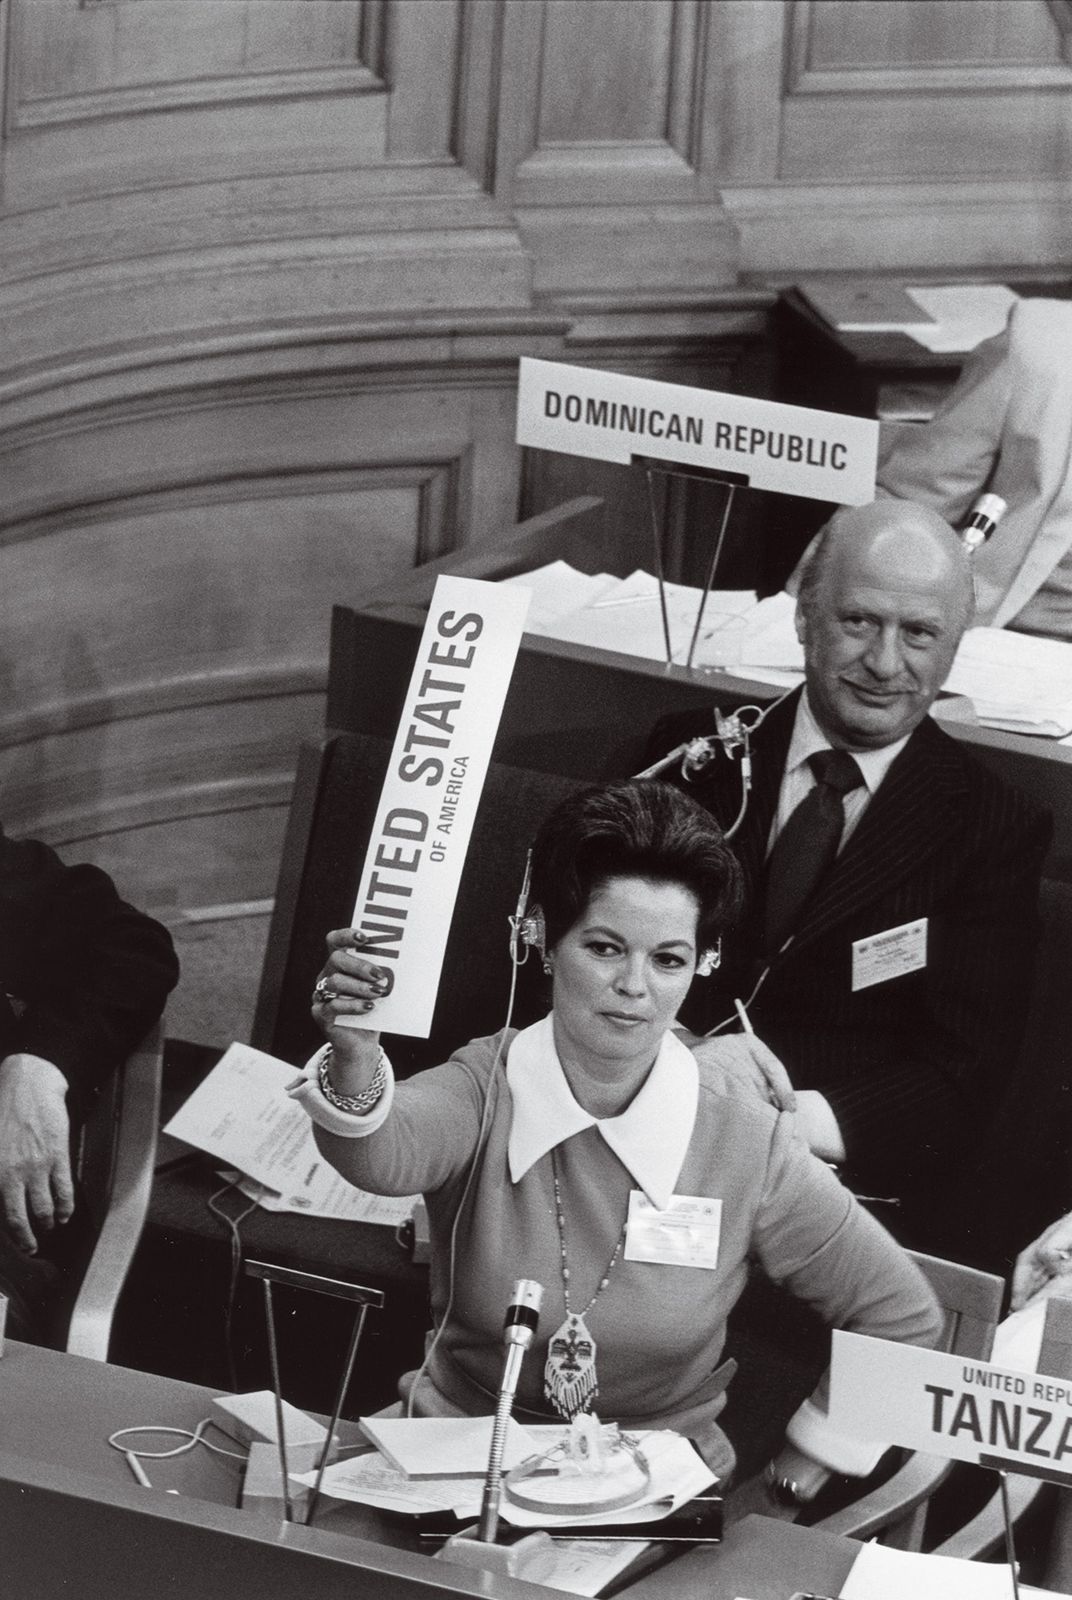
137,1469
743,1015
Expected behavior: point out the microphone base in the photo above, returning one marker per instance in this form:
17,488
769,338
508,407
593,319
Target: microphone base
532,1557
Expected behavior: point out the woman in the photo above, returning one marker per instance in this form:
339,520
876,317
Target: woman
587,1126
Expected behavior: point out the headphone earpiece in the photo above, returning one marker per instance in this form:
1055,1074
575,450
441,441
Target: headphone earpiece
527,927
532,930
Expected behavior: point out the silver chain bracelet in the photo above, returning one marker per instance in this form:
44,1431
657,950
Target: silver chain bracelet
357,1104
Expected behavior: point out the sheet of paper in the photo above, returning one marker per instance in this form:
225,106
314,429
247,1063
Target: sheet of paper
444,1447
242,1116
879,1573
965,314
371,1480
585,1566
557,590
340,1200
772,636
629,619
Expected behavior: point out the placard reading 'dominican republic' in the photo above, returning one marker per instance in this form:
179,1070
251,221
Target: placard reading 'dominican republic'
792,449
417,849
950,1405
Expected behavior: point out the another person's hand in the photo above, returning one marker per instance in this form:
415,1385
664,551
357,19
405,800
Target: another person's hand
758,1495
36,1192
1049,1257
748,1061
801,1476
818,1126
348,985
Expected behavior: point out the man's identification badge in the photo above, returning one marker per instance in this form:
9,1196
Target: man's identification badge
883,956
686,1234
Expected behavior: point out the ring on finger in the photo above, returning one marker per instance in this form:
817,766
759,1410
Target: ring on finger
323,994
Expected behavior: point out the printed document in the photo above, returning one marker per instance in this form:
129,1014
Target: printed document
242,1115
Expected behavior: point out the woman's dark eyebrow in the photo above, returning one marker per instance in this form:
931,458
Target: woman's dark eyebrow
601,927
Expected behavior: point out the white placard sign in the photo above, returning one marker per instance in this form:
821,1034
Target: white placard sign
417,849
581,411
949,1405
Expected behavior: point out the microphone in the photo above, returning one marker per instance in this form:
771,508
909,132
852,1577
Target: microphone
519,1329
983,518
523,1314
533,1556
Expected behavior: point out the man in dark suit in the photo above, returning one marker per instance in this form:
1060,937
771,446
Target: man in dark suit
83,976
889,976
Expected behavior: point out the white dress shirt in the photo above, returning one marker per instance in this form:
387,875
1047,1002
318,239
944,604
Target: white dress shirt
798,778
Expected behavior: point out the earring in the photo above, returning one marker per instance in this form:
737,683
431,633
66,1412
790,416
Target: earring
709,961
547,965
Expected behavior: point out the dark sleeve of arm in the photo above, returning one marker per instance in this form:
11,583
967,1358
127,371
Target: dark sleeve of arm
916,1098
90,971
947,462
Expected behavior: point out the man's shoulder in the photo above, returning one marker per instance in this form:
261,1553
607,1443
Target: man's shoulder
983,792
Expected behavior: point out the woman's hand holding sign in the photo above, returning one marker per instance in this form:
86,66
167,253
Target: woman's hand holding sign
349,985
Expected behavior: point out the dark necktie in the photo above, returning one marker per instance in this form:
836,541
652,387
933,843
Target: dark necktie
808,843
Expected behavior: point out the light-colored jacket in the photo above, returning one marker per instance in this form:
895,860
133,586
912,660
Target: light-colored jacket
1006,427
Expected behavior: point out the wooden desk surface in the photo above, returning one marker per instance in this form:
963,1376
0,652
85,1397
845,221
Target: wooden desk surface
71,1509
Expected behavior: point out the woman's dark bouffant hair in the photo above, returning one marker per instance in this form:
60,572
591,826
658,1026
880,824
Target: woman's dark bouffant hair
635,829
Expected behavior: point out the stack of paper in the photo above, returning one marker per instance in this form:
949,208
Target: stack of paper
557,591
444,1447
1015,681
242,1115
678,1474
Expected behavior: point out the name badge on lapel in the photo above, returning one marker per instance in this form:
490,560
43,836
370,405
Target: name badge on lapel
686,1234
882,956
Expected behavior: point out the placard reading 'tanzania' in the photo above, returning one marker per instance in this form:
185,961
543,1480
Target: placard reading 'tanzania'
417,849
950,1405
580,411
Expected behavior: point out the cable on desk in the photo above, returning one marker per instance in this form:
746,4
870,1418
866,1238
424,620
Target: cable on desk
191,1437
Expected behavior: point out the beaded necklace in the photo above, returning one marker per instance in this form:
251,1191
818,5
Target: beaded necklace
569,1377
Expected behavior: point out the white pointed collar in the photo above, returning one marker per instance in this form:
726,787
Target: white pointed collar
651,1137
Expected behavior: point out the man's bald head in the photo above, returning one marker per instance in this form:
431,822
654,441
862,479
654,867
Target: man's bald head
890,533
883,603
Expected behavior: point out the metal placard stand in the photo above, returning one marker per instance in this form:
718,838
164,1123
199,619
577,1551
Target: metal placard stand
730,483
358,1295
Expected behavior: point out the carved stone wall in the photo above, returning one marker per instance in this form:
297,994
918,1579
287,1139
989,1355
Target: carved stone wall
266,269
897,133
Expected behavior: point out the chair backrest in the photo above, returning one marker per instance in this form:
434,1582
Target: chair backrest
117,1152
970,1302
331,819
